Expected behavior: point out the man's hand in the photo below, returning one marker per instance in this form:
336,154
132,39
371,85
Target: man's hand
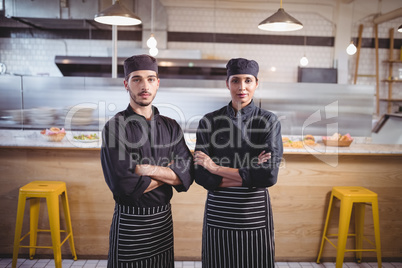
148,170
162,174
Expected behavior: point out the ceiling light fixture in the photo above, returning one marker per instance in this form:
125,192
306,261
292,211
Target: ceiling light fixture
400,29
117,14
151,42
280,22
351,49
153,51
304,60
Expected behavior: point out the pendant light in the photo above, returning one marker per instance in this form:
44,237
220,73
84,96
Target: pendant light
304,60
280,22
153,51
400,29
151,42
351,49
117,14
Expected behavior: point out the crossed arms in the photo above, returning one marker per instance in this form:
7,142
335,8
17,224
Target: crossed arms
230,176
159,176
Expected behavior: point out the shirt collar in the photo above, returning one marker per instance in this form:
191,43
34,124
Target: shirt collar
244,111
130,112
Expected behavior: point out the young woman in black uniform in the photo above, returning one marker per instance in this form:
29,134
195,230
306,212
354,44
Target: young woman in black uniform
237,156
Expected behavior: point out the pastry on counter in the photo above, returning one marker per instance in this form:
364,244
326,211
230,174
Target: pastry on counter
53,134
338,140
307,140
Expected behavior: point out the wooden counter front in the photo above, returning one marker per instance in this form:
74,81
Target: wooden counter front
299,200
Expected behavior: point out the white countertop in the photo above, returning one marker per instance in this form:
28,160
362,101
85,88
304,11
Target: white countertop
33,139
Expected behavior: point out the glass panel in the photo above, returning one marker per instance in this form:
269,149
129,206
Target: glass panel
81,103
320,109
11,113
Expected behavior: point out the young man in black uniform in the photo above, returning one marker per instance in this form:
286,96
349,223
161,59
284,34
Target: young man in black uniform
143,157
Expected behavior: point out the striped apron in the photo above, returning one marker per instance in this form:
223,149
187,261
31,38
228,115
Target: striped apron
238,229
141,237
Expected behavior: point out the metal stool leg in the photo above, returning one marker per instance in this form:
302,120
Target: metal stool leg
344,221
18,228
34,205
376,220
359,229
54,221
325,228
69,227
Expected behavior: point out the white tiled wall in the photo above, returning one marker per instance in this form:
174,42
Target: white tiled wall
284,59
31,56
36,56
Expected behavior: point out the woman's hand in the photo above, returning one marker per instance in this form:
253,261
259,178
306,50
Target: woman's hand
205,161
263,157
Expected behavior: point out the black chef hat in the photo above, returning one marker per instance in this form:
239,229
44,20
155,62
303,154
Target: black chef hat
140,62
242,66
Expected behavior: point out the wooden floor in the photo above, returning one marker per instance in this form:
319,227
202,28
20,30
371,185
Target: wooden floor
47,263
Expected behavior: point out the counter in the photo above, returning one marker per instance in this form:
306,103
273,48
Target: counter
33,139
299,199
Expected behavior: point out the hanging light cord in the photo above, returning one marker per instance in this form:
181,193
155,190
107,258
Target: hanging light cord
152,16
281,3
353,13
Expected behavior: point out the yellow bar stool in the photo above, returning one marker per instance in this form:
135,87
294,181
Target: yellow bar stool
357,197
34,191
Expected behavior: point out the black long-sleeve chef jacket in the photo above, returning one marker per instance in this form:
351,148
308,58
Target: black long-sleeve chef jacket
129,139
235,140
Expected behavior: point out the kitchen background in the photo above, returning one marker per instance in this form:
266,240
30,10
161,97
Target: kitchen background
34,34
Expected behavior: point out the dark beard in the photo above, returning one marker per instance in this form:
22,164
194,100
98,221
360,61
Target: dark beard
134,98
143,104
